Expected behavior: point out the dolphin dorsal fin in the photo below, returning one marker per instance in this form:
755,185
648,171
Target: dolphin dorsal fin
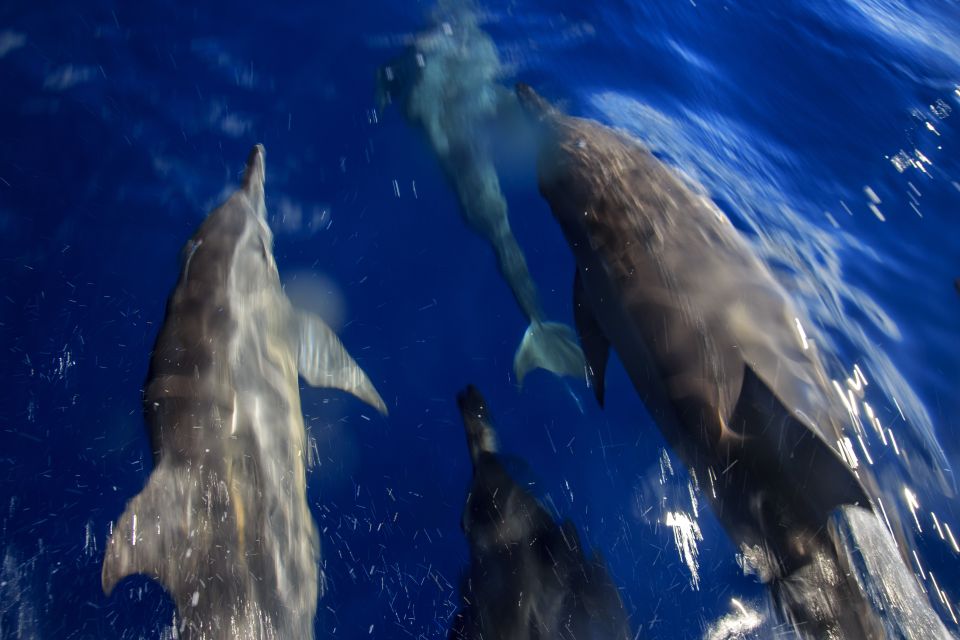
595,345
793,445
323,362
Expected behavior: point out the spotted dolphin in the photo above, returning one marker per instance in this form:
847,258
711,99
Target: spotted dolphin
715,349
446,83
223,521
529,577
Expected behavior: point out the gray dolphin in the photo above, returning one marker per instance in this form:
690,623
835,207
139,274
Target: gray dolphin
713,347
529,577
223,521
447,85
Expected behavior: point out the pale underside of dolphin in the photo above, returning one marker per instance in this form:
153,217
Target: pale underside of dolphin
529,577
710,341
223,522
448,85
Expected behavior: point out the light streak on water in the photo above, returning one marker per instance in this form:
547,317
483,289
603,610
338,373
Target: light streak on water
893,439
803,334
843,397
950,610
863,447
736,624
876,211
916,559
853,403
883,510
936,524
686,535
875,422
936,588
899,410
913,504
692,487
858,374
665,466
953,541
846,451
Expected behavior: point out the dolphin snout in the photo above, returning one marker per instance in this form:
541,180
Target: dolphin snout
256,171
471,403
531,101
253,178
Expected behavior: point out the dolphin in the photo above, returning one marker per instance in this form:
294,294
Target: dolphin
715,349
529,577
446,83
223,521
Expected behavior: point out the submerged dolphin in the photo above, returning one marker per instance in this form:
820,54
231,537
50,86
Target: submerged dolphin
710,341
528,577
223,521
447,84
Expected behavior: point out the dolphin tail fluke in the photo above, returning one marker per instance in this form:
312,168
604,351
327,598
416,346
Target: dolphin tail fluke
323,362
142,540
551,346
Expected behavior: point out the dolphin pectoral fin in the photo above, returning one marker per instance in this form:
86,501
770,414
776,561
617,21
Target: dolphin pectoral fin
142,540
595,345
793,451
323,362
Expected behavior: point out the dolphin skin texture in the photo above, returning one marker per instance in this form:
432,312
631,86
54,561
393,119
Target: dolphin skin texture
446,83
223,521
528,577
710,341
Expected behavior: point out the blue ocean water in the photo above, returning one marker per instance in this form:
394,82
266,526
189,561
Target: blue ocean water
827,131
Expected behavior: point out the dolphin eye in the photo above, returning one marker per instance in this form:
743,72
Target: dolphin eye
263,251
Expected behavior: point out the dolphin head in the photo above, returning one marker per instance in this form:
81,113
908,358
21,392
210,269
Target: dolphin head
563,162
234,244
481,438
254,264
532,102
238,228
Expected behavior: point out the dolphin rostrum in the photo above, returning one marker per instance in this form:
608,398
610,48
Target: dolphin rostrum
713,346
223,521
447,85
529,577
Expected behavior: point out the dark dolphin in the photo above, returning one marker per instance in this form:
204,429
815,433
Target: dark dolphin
715,348
529,578
223,521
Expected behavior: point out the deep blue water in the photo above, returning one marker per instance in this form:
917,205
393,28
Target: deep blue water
122,125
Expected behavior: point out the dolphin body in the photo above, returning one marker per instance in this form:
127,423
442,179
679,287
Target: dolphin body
446,83
528,577
223,521
711,343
